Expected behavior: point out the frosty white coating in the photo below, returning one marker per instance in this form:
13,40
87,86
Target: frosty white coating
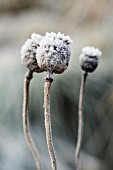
89,58
53,54
28,52
91,51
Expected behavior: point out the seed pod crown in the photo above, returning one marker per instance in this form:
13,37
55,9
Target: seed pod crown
89,58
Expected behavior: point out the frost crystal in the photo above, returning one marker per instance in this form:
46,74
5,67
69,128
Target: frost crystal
28,52
91,51
89,58
53,54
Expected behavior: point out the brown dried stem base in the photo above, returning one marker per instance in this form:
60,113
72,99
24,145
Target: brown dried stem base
80,121
29,139
48,129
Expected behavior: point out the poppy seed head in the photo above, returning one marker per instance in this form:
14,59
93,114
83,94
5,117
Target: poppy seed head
89,58
53,54
28,53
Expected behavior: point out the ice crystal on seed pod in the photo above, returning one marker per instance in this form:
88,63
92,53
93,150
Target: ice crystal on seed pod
53,54
89,58
91,51
28,52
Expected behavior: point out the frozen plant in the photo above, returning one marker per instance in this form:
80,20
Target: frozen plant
50,53
88,61
28,58
89,58
28,52
53,56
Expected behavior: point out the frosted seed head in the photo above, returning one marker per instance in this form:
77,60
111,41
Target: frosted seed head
53,55
89,58
28,53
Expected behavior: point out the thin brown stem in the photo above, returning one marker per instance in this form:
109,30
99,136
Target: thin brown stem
80,121
29,139
48,129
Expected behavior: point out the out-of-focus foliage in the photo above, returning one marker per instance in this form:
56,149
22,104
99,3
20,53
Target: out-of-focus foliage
88,22
16,5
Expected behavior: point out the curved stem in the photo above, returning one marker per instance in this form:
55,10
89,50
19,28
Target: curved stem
80,120
48,129
27,134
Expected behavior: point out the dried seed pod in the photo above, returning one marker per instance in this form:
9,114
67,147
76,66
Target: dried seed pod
89,58
53,54
28,53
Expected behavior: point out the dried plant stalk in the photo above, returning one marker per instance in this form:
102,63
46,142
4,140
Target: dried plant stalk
29,139
48,129
80,120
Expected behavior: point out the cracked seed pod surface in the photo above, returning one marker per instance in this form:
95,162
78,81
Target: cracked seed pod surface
28,53
89,58
53,55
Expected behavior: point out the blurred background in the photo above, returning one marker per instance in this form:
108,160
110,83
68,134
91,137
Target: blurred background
88,22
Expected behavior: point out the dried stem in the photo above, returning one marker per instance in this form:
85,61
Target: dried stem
47,85
80,120
29,139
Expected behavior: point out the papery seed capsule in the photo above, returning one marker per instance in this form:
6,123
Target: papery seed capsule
89,58
28,53
53,54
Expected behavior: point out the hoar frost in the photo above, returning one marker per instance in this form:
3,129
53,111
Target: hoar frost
91,51
89,58
46,53
53,55
28,53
